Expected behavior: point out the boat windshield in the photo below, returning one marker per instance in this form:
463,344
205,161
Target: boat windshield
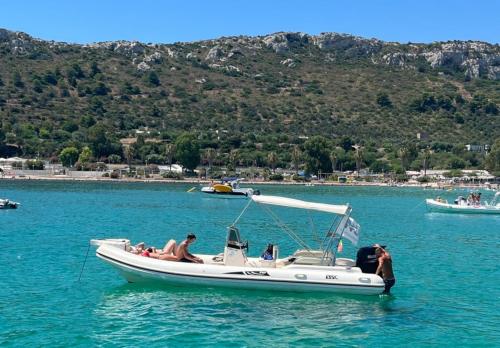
234,239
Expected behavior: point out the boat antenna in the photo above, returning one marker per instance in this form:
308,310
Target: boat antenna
242,212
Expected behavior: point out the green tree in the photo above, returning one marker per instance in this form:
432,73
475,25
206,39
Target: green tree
317,155
69,156
100,142
152,79
17,81
493,158
426,158
35,164
404,156
114,158
128,153
210,155
233,159
169,154
383,100
358,157
296,157
272,160
94,69
187,151
85,155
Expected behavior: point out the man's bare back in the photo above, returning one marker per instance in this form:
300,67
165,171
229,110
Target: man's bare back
384,268
182,252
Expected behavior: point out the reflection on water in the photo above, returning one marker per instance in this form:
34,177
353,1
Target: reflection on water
234,315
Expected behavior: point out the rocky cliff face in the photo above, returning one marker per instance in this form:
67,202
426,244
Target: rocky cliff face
473,59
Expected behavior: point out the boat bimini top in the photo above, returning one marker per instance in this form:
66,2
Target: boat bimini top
342,226
296,203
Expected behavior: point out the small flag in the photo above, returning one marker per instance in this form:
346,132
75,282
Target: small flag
340,246
351,231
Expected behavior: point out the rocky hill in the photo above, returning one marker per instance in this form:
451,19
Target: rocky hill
253,92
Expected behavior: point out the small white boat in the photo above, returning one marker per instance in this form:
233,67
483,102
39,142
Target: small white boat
229,189
8,204
462,207
306,270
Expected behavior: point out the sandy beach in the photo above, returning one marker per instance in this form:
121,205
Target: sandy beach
196,181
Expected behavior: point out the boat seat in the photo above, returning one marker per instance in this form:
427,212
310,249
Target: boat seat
305,260
345,262
268,263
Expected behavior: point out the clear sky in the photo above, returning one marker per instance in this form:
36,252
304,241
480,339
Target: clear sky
190,20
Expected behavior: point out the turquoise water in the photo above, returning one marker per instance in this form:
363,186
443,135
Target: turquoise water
446,294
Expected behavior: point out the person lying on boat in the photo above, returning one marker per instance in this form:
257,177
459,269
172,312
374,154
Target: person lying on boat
440,200
268,254
384,268
182,254
168,252
138,248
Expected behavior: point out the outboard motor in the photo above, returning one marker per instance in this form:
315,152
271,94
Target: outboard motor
367,260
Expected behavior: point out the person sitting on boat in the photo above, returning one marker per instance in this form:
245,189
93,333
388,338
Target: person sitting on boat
470,199
384,268
182,254
268,254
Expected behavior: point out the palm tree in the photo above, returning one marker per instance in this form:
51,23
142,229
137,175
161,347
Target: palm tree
272,160
210,155
358,157
128,152
169,153
426,160
296,156
233,158
334,158
404,155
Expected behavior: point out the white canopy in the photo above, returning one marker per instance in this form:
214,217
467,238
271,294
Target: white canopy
296,203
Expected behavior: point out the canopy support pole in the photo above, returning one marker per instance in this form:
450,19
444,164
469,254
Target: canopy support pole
339,231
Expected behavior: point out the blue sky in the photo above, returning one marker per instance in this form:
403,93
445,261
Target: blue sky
191,20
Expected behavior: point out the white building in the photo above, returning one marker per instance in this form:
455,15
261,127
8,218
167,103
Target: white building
175,168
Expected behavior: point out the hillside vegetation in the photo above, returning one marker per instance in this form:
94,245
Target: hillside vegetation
252,95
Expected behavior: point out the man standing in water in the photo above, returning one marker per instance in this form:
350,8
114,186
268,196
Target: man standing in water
384,268
182,252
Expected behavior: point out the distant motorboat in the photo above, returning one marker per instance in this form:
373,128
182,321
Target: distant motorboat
229,188
8,204
461,206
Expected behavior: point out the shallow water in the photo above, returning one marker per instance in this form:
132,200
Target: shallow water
446,266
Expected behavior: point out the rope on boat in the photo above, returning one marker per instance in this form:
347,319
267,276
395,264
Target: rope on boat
85,261
242,212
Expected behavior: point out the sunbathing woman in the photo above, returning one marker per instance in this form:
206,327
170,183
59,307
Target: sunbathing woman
167,253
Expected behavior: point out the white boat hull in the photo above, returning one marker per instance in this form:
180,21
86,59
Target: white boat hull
294,278
435,206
